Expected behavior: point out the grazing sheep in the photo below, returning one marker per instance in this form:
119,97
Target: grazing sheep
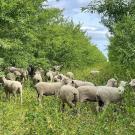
83,83
49,88
37,77
70,95
112,82
105,95
132,83
12,87
70,75
50,75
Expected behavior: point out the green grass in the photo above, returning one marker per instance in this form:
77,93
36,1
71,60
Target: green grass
32,119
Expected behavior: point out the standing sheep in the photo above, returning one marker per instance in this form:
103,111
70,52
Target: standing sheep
37,77
49,88
70,95
105,95
12,87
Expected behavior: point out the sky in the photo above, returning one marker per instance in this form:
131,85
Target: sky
90,22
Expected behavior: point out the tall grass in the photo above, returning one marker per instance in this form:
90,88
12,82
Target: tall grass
32,119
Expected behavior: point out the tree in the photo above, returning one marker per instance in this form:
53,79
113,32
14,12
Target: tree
111,11
33,34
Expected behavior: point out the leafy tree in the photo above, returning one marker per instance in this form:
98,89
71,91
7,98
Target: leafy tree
33,34
122,44
111,11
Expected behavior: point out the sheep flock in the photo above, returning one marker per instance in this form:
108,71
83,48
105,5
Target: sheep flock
65,87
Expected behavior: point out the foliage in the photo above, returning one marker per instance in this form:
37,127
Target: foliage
111,11
122,44
33,34
32,119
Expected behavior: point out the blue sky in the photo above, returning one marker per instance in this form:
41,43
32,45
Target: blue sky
90,22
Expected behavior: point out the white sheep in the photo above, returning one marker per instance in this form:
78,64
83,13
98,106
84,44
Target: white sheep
70,75
50,75
49,88
112,82
37,77
105,95
87,93
83,83
12,87
70,95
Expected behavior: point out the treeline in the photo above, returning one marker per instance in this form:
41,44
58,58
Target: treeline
119,17
31,33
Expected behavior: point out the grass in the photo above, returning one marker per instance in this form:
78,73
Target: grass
31,119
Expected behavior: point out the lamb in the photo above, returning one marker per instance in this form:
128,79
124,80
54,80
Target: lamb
12,87
70,75
37,77
70,95
49,88
112,82
83,83
50,74
60,77
105,95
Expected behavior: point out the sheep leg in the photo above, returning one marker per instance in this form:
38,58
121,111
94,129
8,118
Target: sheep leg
14,94
63,107
100,104
40,99
71,105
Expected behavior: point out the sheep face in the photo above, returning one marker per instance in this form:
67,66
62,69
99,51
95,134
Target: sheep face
123,83
132,83
112,82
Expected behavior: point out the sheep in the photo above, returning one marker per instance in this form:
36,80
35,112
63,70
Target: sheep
112,82
49,88
105,95
12,87
83,83
132,83
70,75
50,75
37,77
19,72
70,95
87,93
